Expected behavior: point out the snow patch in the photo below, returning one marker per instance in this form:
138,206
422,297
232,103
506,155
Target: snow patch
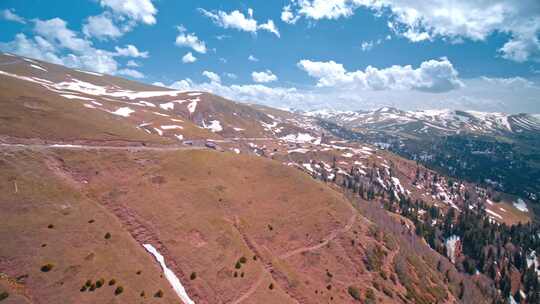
521,206
124,112
169,275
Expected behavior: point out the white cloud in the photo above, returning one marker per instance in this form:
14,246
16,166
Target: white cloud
101,27
132,64
130,51
366,46
478,94
130,73
271,27
136,10
253,58
454,20
237,20
432,76
55,42
264,76
514,82
189,58
231,75
212,76
10,15
55,31
185,39
287,15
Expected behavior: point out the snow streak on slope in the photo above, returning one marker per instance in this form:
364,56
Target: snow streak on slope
169,275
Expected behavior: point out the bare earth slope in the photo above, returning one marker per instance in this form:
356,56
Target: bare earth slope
86,184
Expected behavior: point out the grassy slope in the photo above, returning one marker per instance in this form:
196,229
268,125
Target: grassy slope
204,210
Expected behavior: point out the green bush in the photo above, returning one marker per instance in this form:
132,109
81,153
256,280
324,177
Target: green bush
88,283
92,287
4,295
112,282
47,267
354,292
100,283
159,294
238,265
118,290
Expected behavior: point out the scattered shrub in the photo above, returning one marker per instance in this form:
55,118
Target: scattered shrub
354,292
83,288
370,295
92,287
329,287
242,275
238,265
112,282
47,267
159,294
193,276
100,283
254,257
90,221
235,274
51,226
118,290
43,245
139,272
328,274
271,286
88,283
142,294
243,260
4,295
107,235
270,227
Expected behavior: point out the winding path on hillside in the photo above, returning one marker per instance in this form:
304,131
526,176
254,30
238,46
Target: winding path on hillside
334,234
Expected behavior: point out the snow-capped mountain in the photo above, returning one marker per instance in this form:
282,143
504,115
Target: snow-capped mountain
433,121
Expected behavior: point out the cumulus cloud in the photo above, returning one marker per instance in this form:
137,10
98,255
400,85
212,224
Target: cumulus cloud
263,76
432,76
119,17
55,42
237,20
253,58
185,39
101,27
136,10
212,76
130,73
454,20
130,51
287,15
132,63
10,15
189,58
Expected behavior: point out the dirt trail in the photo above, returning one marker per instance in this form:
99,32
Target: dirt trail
334,234
96,147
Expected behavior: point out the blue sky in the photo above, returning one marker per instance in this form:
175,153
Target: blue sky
340,54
